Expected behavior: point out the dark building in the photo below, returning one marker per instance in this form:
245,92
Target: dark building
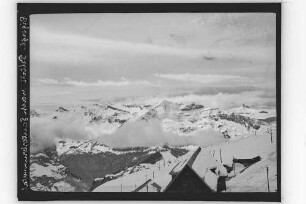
188,181
247,162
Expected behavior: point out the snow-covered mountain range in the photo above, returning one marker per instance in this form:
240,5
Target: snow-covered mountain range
67,162
179,118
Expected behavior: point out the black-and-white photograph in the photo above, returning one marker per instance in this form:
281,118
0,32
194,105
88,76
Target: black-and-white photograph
150,102
153,102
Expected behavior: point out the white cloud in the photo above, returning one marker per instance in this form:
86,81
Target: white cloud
45,38
72,47
45,132
220,100
96,56
199,78
60,93
123,82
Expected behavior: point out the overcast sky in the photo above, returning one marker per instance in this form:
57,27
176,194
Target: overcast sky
86,58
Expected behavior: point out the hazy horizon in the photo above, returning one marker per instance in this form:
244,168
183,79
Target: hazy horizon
87,58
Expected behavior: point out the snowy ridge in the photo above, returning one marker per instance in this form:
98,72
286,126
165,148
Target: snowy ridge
47,174
178,118
246,130
69,147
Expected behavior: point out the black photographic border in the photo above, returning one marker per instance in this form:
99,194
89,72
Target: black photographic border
24,10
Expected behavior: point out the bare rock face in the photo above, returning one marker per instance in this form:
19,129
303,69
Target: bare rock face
192,106
245,121
245,106
62,110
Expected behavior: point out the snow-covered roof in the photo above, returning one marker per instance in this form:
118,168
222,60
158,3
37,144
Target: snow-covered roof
204,162
187,159
201,161
211,180
254,178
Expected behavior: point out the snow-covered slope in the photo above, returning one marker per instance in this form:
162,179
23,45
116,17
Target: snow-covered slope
132,178
67,163
48,174
72,147
210,163
256,177
249,178
66,169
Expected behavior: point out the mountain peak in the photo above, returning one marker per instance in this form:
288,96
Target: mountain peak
192,106
245,106
61,110
165,103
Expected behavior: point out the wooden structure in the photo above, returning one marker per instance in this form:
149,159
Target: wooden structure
185,178
188,181
148,186
247,162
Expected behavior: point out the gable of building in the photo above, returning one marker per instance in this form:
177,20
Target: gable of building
188,181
